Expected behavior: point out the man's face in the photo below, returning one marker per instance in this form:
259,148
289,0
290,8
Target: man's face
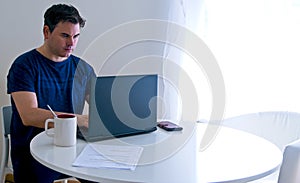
62,41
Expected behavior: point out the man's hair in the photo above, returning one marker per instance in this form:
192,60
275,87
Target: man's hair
62,13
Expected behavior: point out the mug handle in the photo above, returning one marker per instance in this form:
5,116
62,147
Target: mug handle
47,129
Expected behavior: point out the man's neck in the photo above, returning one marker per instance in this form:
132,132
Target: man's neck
43,50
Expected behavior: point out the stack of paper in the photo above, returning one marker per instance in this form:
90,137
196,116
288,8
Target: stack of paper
108,156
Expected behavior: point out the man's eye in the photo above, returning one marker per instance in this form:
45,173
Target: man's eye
65,35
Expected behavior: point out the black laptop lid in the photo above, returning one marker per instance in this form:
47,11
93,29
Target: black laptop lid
122,106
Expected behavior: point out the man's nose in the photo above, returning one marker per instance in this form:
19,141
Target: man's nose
71,41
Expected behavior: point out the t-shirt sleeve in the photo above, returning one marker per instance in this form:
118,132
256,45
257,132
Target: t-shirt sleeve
20,76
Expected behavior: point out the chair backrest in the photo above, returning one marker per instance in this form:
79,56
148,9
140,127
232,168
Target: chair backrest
279,127
290,167
6,112
5,129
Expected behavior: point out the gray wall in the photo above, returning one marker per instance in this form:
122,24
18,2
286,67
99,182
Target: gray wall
22,21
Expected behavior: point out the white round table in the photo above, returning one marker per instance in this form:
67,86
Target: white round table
233,156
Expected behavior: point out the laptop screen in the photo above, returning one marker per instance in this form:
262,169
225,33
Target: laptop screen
122,106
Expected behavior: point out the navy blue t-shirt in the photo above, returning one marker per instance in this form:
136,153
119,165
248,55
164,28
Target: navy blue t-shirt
62,85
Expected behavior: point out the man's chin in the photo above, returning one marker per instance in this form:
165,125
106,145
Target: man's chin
67,54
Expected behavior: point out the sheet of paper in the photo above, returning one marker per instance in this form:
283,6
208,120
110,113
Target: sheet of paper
108,156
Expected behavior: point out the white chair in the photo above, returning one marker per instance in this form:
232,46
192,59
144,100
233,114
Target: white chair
278,127
5,166
290,168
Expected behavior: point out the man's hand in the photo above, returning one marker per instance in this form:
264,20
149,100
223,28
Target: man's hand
82,120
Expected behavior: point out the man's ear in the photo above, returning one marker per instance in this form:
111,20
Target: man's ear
46,32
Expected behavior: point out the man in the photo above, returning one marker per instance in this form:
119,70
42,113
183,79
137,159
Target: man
48,75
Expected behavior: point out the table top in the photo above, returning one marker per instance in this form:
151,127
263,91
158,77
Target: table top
233,156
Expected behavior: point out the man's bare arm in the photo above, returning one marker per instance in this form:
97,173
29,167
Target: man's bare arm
31,115
27,106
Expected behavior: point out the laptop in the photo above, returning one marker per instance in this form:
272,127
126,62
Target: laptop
121,106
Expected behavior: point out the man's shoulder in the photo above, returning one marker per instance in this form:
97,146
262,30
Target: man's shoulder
28,55
79,61
82,67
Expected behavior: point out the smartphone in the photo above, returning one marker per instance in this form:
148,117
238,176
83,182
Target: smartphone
169,126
